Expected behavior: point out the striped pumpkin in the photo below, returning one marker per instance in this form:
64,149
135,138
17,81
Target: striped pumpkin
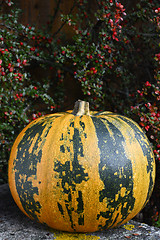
81,171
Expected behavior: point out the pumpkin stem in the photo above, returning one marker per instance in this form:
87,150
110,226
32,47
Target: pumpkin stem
81,108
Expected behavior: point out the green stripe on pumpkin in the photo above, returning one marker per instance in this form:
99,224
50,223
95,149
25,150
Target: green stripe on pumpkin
112,158
146,148
25,165
72,172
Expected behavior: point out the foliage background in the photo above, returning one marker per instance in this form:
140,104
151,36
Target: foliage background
105,52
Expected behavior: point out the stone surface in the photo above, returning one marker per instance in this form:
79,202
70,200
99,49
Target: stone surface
14,225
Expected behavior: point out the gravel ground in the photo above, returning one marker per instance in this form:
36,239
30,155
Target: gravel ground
14,225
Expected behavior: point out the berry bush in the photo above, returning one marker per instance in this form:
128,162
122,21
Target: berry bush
22,96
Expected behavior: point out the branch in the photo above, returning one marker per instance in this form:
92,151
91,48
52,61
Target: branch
56,11
148,34
52,64
53,18
54,34
4,25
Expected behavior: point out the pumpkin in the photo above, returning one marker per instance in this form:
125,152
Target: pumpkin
81,171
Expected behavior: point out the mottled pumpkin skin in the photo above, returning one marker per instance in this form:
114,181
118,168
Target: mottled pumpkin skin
81,173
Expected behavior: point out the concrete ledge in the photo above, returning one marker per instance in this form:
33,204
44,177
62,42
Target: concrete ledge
14,225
